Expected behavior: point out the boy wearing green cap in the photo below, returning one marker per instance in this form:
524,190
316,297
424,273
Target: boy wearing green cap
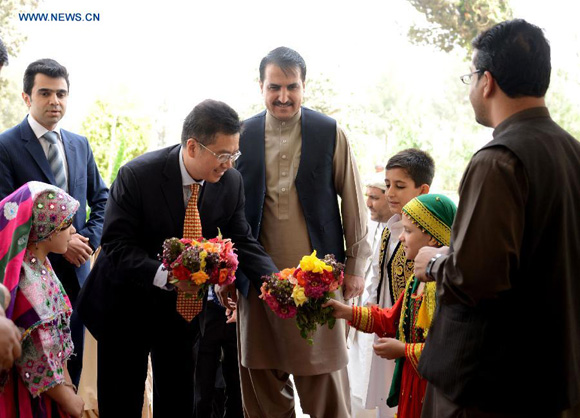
402,329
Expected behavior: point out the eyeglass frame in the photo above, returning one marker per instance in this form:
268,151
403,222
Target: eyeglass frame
467,77
229,157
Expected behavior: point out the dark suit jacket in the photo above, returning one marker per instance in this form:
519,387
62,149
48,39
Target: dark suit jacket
22,159
145,207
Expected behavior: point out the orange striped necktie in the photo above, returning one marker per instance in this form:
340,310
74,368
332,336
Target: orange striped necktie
189,307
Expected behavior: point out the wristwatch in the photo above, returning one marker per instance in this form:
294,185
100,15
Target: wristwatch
430,266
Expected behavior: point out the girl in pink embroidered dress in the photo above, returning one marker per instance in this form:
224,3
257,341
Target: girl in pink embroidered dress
36,220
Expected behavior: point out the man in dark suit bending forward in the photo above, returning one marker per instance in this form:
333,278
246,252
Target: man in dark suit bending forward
127,302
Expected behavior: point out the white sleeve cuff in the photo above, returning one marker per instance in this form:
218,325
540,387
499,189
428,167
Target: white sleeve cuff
160,279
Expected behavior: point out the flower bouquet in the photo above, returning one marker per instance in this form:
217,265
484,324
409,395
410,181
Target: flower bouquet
203,262
301,292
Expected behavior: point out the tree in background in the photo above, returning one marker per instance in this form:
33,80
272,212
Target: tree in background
116,136
9,9
13,108
11,103
320,95
563,97
454,23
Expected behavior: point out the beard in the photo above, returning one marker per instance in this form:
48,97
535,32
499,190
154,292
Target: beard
481,113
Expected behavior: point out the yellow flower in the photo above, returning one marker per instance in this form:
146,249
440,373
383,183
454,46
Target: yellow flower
202,257
298,295
210,246
199,277
313,264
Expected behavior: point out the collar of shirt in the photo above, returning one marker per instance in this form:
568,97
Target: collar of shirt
530,113
186,179
380,227
393,220
395,225
272,121
374,227
40,130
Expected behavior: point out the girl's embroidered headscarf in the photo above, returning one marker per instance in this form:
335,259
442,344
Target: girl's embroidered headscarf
434,214
31,214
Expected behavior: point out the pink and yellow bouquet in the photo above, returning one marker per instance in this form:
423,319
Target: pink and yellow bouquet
301,292
203,262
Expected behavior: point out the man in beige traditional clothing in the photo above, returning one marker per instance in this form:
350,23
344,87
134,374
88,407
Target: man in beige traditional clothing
295,162
367,384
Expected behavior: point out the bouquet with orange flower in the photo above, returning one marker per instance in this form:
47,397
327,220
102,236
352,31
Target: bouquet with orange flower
301,292
203,262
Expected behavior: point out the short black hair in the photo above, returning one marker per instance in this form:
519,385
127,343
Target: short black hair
517,54
417,163
209,118
46,66
285,58
3,54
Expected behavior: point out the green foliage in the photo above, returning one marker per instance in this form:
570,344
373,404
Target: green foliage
13,109
9,10
116,137
563,100
320,95
11,103
311,315
395,118
454,23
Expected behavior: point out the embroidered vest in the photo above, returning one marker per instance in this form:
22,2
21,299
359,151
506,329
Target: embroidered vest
397,269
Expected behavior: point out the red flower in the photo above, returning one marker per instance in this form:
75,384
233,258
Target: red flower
181,273
327,277
286,311
271,301
301,277
223,276
315,288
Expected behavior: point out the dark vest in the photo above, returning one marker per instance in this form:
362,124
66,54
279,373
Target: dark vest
314,180
522,350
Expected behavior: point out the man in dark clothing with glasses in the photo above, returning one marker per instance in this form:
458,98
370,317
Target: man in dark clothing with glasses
506,338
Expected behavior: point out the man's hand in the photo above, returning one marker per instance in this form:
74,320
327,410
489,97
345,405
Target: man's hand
9,343
422,259
78,251
187,286
226,295
232,315
389,348
353,286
